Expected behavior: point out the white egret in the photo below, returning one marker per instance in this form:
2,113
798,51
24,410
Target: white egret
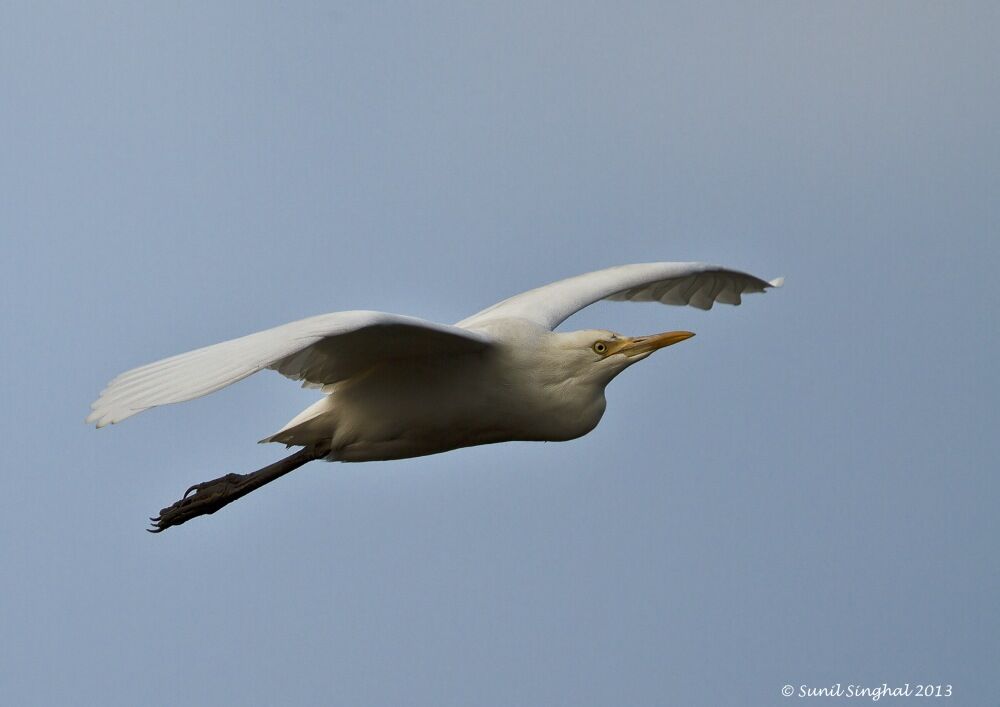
398,386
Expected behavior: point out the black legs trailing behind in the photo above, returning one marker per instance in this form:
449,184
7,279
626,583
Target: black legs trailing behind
209,496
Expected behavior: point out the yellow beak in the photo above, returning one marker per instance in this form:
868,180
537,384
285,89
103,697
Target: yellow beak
648,344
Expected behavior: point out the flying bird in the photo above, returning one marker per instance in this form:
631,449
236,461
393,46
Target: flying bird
397,386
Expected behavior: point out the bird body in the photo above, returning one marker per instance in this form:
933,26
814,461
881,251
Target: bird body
528,387
397,387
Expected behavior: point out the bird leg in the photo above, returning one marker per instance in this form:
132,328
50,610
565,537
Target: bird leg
209,496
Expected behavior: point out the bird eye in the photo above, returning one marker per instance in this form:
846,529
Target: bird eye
600,347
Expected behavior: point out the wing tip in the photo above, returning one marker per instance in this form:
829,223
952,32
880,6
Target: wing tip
777,282
102,416
99,419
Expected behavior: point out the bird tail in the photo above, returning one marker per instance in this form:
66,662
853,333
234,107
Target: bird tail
314,425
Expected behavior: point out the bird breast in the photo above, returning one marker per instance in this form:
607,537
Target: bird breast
417,407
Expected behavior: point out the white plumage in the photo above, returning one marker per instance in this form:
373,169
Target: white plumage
319,350
400,386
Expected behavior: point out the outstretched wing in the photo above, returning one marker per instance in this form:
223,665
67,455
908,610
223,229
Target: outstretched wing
697,284
319,350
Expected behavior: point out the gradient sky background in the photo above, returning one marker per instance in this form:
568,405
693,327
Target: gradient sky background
806,493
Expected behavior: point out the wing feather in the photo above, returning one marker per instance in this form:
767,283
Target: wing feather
319,351
695,284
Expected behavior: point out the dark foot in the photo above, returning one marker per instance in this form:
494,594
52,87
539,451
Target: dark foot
202,499
210,496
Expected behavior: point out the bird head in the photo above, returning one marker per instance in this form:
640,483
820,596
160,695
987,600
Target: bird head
601,355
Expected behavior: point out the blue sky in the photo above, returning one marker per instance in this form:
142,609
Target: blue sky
805,493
